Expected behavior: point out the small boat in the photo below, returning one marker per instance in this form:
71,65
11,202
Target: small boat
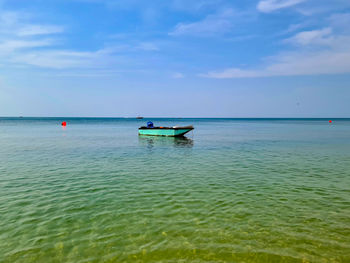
175,131
139,117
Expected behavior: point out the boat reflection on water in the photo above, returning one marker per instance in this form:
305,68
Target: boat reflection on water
162,141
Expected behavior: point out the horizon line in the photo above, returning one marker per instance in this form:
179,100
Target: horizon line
149,117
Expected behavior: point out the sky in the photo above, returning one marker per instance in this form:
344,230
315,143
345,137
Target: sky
175,58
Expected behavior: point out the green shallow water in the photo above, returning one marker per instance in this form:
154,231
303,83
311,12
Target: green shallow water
237,191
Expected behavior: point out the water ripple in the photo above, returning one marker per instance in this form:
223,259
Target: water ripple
255,193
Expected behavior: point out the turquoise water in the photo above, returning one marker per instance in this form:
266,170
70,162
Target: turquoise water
233,191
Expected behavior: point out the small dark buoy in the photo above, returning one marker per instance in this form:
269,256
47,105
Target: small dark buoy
64,124
330,121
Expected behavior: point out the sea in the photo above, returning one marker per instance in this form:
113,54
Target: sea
233,190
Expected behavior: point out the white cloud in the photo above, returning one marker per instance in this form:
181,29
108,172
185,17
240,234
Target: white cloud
25,43
64,59
231,73
13,45
147,46
318,7
178,75
293,28
34,30
340,21
211,25
182,5
318,52
293,64
16,24
268,6
8,18
314,37
57,59
20,39
194,6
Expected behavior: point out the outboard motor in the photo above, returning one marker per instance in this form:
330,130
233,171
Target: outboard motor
150,124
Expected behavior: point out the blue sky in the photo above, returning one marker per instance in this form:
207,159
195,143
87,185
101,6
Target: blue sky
177,58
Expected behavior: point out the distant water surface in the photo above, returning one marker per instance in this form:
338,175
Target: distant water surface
236,190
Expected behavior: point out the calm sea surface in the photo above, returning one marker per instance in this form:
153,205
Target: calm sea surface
235,191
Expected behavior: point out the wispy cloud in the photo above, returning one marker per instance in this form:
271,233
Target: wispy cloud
7,46
44,45
314,37
340,21
179,5
35,30
20,39
219,23
268,6
147,46
23,43
321,51
293,64
177,75
318,7
16,24
194,6
60,59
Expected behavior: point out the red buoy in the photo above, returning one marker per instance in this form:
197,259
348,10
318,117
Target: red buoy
64,123
330,121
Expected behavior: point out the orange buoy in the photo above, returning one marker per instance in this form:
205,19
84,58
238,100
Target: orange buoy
64,124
